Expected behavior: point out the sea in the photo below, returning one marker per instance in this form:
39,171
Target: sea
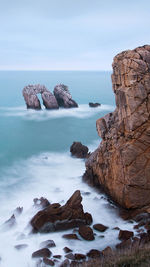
35,161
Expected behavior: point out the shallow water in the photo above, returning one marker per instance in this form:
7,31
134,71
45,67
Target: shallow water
35,161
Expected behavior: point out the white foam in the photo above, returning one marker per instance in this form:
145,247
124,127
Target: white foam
83,111
54,176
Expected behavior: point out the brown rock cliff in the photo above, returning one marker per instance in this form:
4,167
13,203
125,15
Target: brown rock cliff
121,164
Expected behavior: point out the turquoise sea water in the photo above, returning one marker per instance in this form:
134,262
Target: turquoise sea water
23,134
35,160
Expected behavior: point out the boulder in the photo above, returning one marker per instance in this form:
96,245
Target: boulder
67,250
86,232
65,263
42,253
63,96
79,256
94,105
100,227
56,217
32,102
124,234
78,150
121,164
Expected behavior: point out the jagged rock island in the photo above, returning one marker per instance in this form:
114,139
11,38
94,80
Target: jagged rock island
121,163
61,97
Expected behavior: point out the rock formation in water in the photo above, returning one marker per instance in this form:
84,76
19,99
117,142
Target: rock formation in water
121,164
78,150
30,96
56,217
64,97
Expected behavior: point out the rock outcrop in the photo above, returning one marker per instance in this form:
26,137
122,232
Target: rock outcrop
63,96
121,164
30,96
78,150
56,217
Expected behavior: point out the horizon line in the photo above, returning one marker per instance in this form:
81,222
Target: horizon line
48,70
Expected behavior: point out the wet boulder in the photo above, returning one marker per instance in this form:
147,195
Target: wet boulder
100,227
86,232
47,244
42,253
41,202
94,253
56,217
124,234
63,96
78,150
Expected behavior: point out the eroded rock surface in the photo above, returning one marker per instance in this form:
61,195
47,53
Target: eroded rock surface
121,164
30,96
63,96
56,217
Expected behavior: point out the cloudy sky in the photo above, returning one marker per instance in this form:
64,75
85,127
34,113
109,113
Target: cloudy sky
70,34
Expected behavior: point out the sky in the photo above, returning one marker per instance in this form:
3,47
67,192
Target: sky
70,34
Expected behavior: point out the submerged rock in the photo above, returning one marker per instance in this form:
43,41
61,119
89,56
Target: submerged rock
11,222
63,96
94,105
30,96
78,150
121,164
56,217
47,244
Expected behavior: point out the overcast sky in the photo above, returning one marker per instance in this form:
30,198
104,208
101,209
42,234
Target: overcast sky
70,34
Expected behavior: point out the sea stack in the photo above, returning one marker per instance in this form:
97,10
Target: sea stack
30,96
121,163
63,96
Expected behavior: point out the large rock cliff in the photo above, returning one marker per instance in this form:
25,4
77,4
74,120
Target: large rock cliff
121,164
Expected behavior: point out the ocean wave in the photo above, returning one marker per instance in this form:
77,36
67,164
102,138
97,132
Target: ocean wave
83,111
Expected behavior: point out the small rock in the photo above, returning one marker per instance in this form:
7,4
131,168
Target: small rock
70,236
21,246
78,150
94,105
41,202
79,256
18,211
100,227
67,250
94,253
11,222
70,256
44,252
124,234
57,256
86,232
47,244
116,228
48,262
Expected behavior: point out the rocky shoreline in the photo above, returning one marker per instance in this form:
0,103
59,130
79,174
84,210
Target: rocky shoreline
120,166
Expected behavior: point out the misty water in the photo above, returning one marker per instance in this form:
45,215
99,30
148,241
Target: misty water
35,160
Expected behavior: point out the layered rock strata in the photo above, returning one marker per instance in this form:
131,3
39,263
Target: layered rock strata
56,217
63,96
121,164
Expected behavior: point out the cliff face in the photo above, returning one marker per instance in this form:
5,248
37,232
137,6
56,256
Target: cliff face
121,164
